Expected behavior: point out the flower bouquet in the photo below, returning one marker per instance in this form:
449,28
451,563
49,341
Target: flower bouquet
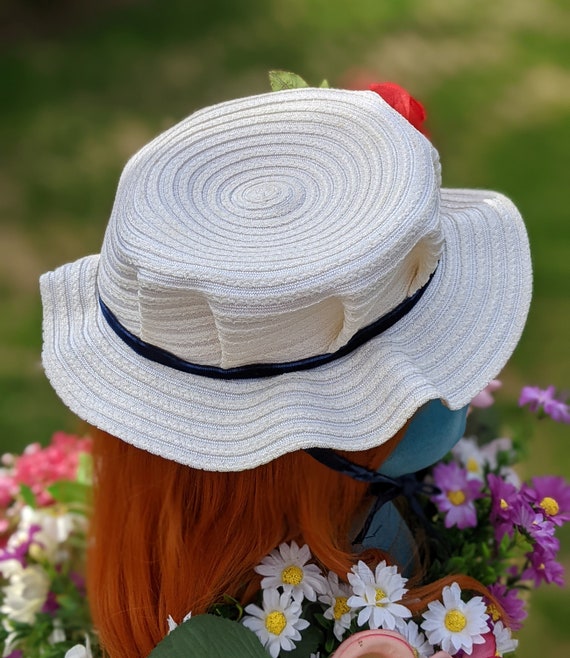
483,523
44,499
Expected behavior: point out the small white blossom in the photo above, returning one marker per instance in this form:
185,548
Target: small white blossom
415,638
58,634
453,624
376,595
172,624
25,594
336,598
503,639
287,567
476,458
277,623
80,650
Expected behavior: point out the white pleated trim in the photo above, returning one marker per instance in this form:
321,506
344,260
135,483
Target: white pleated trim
454,341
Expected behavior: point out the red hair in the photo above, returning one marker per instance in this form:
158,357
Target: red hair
167,539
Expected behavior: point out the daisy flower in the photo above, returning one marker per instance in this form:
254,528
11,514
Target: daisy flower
453,624
503,639
511,603
287,567
277,623
457,495
376,594
415,638
552,495
475,458
336,598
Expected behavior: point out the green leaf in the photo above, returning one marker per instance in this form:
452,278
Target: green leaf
324,84
69,492
85,468
210,637
280,80
309,643
28,496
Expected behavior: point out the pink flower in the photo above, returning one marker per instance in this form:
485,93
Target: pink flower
486,650
38,467
485,398
457,495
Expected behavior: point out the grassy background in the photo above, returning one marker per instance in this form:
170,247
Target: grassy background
86,84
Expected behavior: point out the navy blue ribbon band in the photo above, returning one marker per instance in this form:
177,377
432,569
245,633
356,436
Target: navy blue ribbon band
255,370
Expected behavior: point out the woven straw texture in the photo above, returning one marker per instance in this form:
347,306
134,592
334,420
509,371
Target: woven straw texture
269,229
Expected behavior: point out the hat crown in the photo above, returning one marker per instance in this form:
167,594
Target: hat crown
272,228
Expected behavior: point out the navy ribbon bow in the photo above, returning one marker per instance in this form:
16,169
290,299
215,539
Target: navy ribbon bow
382,487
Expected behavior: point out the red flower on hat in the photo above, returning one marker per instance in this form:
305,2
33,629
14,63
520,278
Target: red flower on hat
403,102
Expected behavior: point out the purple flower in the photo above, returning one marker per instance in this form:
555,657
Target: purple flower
544,400
558,411
511,603
543,568
552,495
536,397
540,528
457,495
20,551
505,499
78,580
51,606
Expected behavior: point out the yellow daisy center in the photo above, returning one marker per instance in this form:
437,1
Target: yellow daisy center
493,611
275,622
472,466
455,621
456,497
503,503
292,575
340,607
380,594
550,506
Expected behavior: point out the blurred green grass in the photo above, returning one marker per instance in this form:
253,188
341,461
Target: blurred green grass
85,89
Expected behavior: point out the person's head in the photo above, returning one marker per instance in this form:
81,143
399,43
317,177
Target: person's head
279,273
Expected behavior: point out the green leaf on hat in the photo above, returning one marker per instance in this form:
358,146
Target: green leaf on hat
280,80
209,637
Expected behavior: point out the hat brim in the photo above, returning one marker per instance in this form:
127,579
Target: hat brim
453,342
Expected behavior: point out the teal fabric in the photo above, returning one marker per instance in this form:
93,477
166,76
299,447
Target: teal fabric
431,434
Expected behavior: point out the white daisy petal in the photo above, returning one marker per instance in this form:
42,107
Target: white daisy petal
277,623
376,594
504,641
455,625
286,567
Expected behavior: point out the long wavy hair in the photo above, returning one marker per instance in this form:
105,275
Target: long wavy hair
166,539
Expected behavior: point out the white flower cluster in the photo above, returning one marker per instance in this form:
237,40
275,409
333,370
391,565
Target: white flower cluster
371,600
41,533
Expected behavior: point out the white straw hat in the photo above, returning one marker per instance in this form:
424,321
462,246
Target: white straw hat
273,230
